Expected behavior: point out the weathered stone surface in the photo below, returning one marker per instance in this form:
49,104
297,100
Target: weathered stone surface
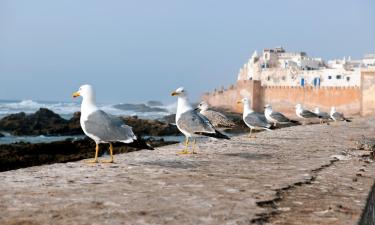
239,181
21,155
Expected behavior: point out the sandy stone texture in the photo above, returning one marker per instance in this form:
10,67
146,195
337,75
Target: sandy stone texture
285,176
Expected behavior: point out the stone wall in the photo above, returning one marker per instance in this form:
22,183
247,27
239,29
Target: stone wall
349,100
284,99
368,92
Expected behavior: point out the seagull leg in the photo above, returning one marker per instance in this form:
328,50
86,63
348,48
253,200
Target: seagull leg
194,143
96,156
185,151
111,155
251,130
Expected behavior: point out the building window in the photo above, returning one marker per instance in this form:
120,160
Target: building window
268,78
283,78
348,79
338,77
329,77
250,78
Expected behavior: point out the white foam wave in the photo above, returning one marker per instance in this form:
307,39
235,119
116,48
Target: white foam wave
66,109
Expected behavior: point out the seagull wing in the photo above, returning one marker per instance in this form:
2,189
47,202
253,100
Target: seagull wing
108,128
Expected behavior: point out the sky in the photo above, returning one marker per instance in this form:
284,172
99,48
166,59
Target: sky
135,51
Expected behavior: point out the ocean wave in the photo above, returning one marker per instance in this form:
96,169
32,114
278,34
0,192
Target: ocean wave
66,109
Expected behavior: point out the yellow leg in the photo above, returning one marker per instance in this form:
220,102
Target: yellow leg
185,151
96,156
111,154
194,143
250,135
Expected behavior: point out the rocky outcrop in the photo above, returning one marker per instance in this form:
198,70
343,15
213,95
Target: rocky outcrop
46,122
151,127
20,155
139,108
154,103
42,122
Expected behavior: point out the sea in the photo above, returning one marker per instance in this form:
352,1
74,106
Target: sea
147,110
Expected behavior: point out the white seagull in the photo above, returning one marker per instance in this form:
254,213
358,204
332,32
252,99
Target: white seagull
336,116
191,123
254,120
216,118
275,117
101,127
323,116
304,113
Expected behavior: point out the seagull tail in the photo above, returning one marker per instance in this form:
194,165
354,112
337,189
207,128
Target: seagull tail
294,121
141,144
217,134
347,120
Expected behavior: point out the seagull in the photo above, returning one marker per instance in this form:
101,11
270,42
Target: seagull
101,127
304,113
336,116
275,117
217,119
323,116
254,120
191,123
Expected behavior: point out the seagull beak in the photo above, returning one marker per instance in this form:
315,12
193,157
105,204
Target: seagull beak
196,109
239,102
76,94
174,93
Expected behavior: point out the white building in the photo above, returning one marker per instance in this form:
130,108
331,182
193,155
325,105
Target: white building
276,67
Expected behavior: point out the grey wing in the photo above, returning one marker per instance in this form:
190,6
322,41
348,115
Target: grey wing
279,117
338,116
308,114
256,120
218,119
324,115
108,128
194,122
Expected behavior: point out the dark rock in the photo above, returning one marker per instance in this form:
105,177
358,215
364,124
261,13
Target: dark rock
42,122
1,135
20,155
139,108
154,103
151,127
169,119
46,122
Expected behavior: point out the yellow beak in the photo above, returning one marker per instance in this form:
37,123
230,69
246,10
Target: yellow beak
174,93
76,94
239,102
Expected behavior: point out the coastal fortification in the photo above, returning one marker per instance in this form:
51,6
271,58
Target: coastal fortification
284,79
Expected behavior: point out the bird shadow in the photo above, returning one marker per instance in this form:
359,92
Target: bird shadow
249,155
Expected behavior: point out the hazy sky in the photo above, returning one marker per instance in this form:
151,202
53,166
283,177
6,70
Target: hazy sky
140,50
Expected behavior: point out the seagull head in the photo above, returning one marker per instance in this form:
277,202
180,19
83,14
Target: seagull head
333,109
203,105
317,110
85,91
268,106
179,92
298,106
243,101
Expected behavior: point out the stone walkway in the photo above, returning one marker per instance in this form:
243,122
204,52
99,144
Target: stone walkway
286,176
